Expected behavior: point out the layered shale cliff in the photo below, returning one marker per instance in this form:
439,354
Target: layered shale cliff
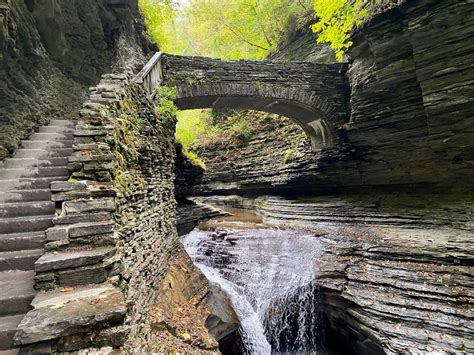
51,51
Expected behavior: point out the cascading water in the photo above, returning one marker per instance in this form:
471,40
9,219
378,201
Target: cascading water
268,273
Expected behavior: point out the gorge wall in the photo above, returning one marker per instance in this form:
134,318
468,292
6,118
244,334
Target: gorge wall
410,122
51,51
114,273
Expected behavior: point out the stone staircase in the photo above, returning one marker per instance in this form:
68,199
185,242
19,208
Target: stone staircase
26,211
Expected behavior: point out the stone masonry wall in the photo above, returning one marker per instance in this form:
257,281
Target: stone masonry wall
313,94
116,227
146,220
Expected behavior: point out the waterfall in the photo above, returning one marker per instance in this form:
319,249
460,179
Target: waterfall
268,273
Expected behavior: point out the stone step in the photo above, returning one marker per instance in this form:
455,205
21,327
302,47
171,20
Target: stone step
56,314
25,195
46,144
29,183
25,224
22,241
15,351
44,153
24,209
8,174
56,129
16,292
8,326
19,260
12,163
51,136
62,123
72,258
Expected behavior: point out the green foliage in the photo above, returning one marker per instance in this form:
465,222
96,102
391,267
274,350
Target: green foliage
242,129
195,159
163,27
191,125
164,101
289,155
228,29
336,19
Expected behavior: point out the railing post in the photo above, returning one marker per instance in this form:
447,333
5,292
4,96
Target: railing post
151,76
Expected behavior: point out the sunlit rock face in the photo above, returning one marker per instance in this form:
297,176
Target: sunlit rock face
52,51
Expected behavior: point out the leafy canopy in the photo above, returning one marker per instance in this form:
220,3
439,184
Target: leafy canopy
227,29
336,19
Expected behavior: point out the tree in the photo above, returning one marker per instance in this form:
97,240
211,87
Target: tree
162,19
336,19
227,29
235,29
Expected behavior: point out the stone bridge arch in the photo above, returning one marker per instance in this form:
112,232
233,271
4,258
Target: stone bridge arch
312,94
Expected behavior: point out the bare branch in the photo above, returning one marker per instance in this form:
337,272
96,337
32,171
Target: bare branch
245,39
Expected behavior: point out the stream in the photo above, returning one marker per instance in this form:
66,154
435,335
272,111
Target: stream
268,271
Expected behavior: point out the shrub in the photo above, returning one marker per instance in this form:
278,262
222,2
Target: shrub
242,129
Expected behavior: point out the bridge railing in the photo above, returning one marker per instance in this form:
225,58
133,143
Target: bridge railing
151,76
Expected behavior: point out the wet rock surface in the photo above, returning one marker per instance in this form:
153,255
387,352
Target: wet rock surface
267,270
76,311
190,213
392,283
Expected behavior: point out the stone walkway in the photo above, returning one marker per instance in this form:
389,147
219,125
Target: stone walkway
26,211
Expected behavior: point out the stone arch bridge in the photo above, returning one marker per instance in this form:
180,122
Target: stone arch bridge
312,94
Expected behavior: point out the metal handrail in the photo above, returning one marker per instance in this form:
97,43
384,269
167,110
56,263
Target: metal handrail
151,76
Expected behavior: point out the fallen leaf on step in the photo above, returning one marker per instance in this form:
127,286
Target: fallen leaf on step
67,289
95,301
185,336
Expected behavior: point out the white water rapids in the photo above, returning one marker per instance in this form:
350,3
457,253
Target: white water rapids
268,273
